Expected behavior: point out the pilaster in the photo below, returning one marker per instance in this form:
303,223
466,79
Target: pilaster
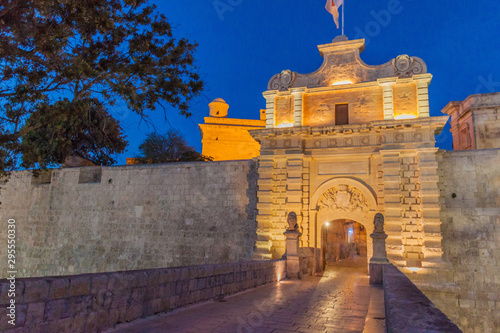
298,94
387,85
392,204
270,97
423,81
264,216
431,207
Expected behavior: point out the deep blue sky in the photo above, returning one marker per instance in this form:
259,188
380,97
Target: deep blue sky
240,49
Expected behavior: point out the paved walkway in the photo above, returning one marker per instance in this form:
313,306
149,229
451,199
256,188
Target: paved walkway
336,302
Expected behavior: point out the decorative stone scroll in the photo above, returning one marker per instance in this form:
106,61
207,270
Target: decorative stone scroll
282,81
406,66
344,198
342,65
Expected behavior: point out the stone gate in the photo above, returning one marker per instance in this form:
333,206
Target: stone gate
346,142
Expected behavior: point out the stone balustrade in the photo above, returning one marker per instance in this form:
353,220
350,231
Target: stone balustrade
95,302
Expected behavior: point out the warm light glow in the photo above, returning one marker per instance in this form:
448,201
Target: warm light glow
283,125
414,269
405,116
340,83
327,224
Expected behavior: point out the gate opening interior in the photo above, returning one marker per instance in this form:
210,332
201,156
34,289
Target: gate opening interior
344,241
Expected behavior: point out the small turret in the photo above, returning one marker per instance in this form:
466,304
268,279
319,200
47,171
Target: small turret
218,108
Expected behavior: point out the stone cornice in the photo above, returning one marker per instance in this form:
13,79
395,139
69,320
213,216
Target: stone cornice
436,123
397,134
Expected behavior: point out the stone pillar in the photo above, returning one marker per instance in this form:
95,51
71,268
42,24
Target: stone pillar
297,105
379,258
388,93
264,217
270,96
423,81
391,180
292,236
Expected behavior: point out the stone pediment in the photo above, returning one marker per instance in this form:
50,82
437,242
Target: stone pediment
342,65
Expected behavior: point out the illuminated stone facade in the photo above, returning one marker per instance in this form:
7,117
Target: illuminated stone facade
475,122
346,142
228,138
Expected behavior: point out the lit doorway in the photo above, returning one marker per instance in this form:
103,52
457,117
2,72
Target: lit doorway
344,241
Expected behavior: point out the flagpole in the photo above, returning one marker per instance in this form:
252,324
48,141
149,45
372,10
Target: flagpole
343,6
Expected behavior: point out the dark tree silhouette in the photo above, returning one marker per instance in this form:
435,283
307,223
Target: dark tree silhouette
65,63
171,147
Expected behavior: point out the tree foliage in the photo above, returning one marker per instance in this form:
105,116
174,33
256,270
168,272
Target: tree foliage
168,148
69,62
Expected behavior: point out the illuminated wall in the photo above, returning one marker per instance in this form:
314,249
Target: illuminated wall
227,139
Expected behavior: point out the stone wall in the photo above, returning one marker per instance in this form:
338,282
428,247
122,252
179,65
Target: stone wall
470,200
88,220
94,302
226,139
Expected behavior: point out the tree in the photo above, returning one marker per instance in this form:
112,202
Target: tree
172,147
65,63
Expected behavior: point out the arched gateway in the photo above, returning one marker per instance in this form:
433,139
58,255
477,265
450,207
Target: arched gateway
342,199
344,143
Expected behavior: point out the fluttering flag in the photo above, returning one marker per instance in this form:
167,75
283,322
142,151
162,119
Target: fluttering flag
332,6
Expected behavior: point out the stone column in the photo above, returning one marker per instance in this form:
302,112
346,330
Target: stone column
379,258
292,247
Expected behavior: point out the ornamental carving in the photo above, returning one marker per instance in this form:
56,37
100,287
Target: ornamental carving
406,66
342,64
344,198
282,81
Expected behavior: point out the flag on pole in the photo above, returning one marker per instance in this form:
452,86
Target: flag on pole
332,6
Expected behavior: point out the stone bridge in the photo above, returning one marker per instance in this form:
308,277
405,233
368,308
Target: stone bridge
258,296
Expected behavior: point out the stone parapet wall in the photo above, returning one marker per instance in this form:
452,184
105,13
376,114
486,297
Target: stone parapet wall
470,201
407,309
93,219
95,302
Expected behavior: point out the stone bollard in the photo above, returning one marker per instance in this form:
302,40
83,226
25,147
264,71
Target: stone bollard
379,258
292,235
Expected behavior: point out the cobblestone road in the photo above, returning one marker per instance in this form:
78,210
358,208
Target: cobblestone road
336,302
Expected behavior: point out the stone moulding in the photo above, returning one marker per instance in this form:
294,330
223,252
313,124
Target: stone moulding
418,131
342,64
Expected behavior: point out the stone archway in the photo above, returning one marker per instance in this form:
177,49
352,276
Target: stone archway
342,198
